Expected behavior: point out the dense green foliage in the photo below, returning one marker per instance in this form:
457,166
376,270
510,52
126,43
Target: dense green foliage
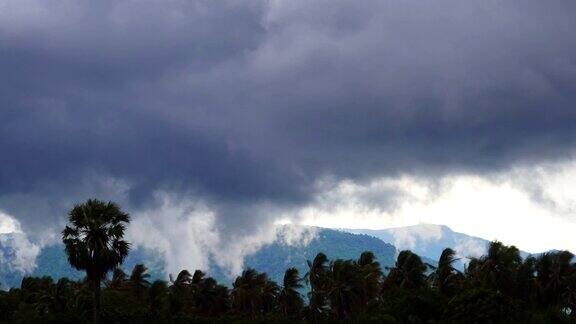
499,287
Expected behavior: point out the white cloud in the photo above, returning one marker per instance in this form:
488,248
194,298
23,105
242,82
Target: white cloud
530,207
8,224
181,230
187,232
407,238
16,251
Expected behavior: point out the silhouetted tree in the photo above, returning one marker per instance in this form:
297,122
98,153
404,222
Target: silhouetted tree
157,295
408,272
498,287
496,270
553,274
180,297
139,281
345,288
118,281
253,293
289,299
317,278
445,277
371,279
94,242
212,298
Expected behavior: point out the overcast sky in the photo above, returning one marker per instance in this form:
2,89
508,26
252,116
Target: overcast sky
210,121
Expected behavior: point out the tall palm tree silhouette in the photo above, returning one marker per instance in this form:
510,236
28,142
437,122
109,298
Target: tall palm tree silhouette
253,293
445,277
345,288
317,278
94,242
289,300
371,278
554,270
408,272
497,269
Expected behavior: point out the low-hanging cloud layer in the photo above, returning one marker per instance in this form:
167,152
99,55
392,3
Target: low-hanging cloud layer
248,109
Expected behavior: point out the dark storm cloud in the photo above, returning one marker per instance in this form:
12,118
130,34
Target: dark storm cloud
254,101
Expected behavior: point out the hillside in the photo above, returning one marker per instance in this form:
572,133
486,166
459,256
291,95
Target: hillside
273,259
428,240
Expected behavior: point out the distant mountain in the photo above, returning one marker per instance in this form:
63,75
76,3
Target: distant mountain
428,240
273,258
52,261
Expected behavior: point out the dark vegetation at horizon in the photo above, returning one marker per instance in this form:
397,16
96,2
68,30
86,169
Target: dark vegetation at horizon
499,287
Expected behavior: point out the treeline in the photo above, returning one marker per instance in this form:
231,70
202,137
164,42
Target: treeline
499,287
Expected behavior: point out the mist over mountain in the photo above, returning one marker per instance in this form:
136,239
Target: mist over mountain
273,258
429,240
426,240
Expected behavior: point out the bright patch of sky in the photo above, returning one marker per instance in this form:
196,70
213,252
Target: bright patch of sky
531,208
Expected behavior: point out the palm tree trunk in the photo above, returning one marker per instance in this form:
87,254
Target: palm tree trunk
96,314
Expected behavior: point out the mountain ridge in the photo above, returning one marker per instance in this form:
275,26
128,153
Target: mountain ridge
426,240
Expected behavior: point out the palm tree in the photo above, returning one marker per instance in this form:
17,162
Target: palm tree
553,272
139,281
253,293
52,298
497,269
196,283
269,292
180,297
371,277
317,279
94,242
445,277
157,297
118,280
408,272
206,295
289,300
526,280
345,288
80,300
212,298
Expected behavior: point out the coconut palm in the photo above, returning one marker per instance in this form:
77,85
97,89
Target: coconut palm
253,293
94,242
496,270
269,293
52,298
212,298
289,300
208,297
408,272
553,272
317,278
139,281
180,297
344,289
526,280
157,298
118,281
445,277
370,276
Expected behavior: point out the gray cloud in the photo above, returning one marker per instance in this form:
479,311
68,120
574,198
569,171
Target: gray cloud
250,103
